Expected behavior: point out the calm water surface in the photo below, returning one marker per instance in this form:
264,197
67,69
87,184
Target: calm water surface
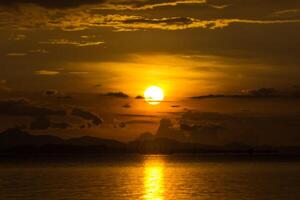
150,178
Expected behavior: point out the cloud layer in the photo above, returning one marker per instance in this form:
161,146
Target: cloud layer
45,117
224,128
79,15
74,20
104,4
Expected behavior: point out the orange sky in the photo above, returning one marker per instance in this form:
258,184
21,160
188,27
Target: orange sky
237,57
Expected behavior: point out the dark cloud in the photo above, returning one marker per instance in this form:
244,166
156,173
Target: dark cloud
175,106
23,107
167,130
249,128
104,4
256,93
190,130
56,94
64,20
127,105
87,116
51,3
116,94
43,116
51,92
215,128
139,97
173,20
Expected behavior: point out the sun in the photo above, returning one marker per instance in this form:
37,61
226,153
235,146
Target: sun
154,95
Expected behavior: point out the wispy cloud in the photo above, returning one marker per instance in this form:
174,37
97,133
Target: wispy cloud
39,51
181,23
17,37
286,13
131,23
219,6
75,19
74,43
145,5
16,54
47,72
58,71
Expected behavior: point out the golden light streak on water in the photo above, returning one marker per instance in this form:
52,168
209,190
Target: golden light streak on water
154,178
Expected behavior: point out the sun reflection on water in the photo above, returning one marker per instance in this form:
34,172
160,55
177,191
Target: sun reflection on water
154,178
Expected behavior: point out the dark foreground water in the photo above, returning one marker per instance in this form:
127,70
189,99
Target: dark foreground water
150,177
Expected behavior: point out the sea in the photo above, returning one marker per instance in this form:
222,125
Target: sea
150,177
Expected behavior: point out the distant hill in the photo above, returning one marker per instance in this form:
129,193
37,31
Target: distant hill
17,142
93,141
15,137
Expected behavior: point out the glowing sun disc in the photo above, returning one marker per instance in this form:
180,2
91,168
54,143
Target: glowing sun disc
154,95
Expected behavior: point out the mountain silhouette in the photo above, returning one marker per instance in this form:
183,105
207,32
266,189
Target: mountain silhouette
16,137
93,141
18,142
